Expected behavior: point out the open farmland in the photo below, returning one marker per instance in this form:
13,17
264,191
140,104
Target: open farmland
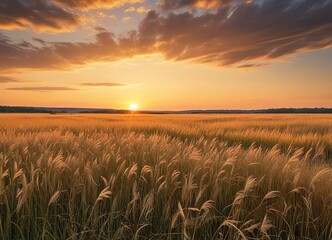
165,176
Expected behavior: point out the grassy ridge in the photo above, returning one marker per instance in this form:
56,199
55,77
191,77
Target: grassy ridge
165,177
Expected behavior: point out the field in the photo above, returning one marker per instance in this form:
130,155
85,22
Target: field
165,176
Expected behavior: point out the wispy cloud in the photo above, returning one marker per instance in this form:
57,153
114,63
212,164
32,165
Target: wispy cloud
143,9
130,9
176,4
41,89
104,15
95,4
137,9
52,15
100,29
126,19
5,79
251,65
103,84
38,14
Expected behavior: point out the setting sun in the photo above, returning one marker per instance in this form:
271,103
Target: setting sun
133,107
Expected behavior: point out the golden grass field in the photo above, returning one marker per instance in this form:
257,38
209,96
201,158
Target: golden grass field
165,176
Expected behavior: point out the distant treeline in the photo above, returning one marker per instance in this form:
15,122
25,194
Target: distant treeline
271,110
9,109
6,109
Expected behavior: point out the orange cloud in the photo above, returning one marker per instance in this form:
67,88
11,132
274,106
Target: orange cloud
39,15
217,38
208,4
103,84
143,9
41,89
53,15
130,9
104,15
138,9
5,79
95,4
175,4
126,19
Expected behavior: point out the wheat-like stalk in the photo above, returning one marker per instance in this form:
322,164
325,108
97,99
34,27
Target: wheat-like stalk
165,177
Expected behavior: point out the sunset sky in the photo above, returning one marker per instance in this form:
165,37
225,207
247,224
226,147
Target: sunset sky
166,54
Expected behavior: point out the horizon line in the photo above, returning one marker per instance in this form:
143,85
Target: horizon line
168,110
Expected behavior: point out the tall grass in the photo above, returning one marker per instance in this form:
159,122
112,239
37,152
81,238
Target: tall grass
165,177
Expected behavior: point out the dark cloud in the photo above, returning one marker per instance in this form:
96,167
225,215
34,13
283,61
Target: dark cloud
246,36
100,29
175,4
5,79
50,15
37,14
40,41
251,65
105,84
94,4
41,89
250,33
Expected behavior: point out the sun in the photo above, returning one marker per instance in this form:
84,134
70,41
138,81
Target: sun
133,107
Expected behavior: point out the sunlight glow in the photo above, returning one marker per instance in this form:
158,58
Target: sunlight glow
133,107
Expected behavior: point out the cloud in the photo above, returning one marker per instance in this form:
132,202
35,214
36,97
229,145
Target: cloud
53,15
37,14
176,4
250,35
60,55
138,9
130,9
5,79
251,65
41,89
95,4
143,9
100,29
104,15
104,84
126,19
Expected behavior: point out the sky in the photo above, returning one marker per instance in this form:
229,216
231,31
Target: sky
166,54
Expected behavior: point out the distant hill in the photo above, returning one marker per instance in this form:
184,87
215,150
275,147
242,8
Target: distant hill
19,109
